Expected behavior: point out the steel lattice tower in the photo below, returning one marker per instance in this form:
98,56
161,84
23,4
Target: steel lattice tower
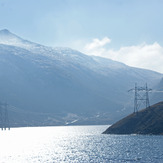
141,96
4,121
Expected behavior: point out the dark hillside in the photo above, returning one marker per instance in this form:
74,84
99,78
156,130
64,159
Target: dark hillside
146,121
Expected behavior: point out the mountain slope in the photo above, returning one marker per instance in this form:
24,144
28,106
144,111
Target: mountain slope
147,121
64,85
157,94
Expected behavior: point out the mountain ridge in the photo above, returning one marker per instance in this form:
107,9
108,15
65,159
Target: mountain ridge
59,80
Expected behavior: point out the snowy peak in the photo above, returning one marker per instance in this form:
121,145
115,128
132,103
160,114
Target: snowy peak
8,38
5,32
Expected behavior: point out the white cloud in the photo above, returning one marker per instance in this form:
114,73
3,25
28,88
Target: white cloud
96,43
148,56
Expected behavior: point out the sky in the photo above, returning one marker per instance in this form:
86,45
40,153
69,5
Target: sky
128,31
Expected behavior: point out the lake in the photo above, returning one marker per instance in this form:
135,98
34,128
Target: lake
73,144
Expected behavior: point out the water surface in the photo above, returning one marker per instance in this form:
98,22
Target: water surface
77,144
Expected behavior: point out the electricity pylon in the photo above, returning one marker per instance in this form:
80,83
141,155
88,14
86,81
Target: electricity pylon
141,96
4,121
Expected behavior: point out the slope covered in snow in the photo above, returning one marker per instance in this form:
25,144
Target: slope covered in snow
64,86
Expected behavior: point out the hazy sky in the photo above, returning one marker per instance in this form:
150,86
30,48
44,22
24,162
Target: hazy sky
129,31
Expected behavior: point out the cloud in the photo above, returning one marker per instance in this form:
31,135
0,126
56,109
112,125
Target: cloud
148,56
96,43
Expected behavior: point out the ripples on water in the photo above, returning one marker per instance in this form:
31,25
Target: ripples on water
77,144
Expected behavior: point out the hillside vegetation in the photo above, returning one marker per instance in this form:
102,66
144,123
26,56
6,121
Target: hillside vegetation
146,121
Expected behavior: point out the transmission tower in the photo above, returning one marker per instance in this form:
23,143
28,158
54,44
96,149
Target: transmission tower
141,96
4,121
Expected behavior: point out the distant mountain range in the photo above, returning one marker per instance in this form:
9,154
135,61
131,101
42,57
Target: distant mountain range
157,94
61,86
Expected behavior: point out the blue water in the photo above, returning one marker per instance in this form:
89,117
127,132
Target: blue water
77,144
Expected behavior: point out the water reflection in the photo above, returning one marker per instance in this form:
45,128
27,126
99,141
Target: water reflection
77,144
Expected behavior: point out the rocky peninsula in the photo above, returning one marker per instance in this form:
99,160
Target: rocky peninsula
148,121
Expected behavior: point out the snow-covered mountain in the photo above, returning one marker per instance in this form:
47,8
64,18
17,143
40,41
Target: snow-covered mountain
57,86
157,92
